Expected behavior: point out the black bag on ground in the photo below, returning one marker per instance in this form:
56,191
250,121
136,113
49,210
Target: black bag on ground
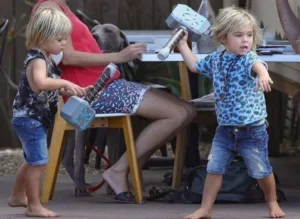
237,186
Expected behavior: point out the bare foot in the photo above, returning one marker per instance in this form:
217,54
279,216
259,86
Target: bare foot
116,180
14,201
40,212
200,213
274,210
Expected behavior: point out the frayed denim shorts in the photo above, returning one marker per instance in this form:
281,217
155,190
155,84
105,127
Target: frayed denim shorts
33,136
250,142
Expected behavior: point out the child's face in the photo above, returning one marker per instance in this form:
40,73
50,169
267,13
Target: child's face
239,42
56,45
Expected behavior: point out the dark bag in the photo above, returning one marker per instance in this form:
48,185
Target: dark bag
237,186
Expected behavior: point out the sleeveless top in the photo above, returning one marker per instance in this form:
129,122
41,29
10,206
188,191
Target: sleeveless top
82,41
42,106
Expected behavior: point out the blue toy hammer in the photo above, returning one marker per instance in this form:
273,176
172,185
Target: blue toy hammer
77,111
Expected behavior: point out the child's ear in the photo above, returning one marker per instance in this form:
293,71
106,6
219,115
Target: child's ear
224,40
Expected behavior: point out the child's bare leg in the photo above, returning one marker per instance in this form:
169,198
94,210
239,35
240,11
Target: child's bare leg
18,197
269,188
34,208
212,186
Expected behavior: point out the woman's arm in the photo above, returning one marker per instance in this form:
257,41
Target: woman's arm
78,58
290,23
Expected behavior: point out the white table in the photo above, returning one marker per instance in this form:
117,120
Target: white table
176,57
146,36
159,37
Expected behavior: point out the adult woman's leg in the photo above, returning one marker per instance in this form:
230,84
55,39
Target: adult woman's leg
191,113
169,115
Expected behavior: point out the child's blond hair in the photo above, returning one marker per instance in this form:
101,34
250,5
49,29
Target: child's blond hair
45,25
231,19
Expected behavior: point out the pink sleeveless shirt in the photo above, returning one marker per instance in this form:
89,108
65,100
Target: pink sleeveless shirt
82,41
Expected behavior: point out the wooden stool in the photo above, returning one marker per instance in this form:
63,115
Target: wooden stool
118,120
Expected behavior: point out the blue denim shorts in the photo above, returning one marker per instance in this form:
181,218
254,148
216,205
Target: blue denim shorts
33,136
250,142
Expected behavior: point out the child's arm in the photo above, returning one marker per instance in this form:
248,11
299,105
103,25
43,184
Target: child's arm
37,71
265,81
64,92
187,55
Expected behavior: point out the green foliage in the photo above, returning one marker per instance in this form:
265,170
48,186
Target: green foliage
163,73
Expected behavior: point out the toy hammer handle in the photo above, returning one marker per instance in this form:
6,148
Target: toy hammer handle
107,74
171,44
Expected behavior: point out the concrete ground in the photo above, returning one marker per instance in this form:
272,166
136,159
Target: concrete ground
92,207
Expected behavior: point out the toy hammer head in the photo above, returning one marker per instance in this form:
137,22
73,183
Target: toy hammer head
195,24
184,18
77,111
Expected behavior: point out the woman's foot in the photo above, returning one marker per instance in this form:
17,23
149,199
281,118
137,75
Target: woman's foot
14,201
40,212
116,180
200,213
274,210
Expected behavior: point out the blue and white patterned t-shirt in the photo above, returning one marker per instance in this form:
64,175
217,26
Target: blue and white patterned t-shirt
237,100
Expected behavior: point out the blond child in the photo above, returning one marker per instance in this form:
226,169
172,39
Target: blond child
239,80
35,104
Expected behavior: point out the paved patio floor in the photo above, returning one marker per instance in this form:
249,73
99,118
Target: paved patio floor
287,168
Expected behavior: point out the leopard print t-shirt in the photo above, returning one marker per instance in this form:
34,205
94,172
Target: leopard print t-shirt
238,102
42,106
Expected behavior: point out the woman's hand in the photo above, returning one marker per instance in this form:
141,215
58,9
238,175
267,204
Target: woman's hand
132,51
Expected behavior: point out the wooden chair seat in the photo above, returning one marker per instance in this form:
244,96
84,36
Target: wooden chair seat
117,120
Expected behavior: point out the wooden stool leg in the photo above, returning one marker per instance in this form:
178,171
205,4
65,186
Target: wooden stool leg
134,168
55,152
181,141
180,152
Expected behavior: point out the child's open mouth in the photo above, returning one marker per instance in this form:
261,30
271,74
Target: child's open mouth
244,48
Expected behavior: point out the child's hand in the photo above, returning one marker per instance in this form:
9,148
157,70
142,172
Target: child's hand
264,82
87,89
184,38
74,89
